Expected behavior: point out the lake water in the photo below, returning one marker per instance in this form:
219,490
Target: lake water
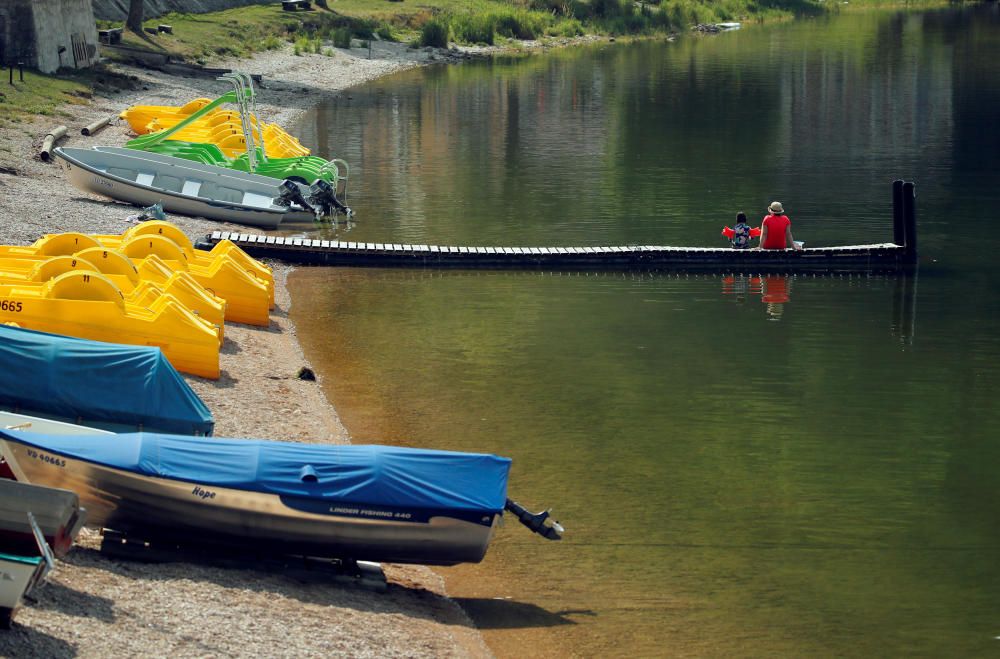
749,466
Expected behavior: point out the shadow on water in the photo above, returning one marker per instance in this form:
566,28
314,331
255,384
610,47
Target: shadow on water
509,614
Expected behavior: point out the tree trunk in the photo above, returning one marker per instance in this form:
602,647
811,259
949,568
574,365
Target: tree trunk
134,21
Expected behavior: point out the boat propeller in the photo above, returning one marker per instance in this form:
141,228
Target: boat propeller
540,523
324,195
291,194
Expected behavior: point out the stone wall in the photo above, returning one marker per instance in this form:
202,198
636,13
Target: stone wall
34,32
117,10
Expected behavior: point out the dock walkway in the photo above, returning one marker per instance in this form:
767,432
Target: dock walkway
882,256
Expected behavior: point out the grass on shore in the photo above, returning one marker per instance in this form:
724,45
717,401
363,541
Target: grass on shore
245,30
40,95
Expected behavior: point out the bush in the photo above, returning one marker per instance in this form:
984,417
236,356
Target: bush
341,37
469,28
520,24
434,33
568,28
271,42
385,33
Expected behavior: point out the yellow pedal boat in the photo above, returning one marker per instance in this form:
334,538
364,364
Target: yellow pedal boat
201,257
90,306
247,297
133,280
143,119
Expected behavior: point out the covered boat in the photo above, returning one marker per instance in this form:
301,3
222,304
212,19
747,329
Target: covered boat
107,385
377,503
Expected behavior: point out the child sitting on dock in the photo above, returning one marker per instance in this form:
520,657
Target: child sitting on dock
741,233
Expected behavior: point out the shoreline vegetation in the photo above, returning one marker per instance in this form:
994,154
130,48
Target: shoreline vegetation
506,25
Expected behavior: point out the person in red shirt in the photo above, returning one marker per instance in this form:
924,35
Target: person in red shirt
776,229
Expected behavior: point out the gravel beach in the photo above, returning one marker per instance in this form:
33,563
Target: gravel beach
96,606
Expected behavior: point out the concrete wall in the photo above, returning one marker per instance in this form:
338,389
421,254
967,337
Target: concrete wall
34,31
117,10
55,23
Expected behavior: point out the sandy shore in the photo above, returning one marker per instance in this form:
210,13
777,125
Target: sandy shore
97,606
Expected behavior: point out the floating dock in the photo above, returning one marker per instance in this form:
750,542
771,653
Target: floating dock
897,255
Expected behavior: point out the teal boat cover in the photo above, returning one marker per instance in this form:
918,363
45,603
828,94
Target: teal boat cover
106,385
363,474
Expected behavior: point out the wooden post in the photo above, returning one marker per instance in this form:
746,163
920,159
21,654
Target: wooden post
95,126
910,221
49,142
898,226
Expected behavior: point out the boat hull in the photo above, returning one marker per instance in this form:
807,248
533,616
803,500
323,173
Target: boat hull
57,512
89,177
191,513
18,575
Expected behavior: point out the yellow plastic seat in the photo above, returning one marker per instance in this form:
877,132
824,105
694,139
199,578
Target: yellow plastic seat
119,269
222,249
139,116
87,304
247,297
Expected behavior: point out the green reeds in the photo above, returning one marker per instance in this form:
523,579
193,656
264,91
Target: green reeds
434,33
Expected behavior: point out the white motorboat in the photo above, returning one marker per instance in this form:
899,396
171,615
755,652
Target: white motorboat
184,187
19,575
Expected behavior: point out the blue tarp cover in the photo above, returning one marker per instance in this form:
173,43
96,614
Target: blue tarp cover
95,383
369,474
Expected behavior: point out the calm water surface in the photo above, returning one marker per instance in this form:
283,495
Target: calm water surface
746,466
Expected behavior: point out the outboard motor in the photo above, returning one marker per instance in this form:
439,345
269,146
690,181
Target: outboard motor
323,195
552,530
290,193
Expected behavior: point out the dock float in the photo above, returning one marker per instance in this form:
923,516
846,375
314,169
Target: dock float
892,256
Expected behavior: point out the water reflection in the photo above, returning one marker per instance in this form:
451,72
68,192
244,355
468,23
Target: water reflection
733,487
774,290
